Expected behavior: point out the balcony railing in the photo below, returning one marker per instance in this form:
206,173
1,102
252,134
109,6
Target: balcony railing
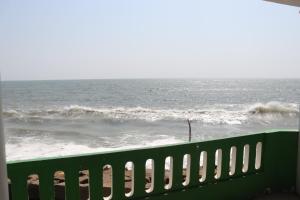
232,168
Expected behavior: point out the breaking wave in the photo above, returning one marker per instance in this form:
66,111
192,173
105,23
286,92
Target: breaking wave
274,108
211,116
36,147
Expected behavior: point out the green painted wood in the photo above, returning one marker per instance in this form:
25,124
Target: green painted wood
252,156
278,170
210,173
95,180
239,160
139,178
159,174
18,186
280,158
118,180
225,162
195,165
72,184
177,171
235,189
46,185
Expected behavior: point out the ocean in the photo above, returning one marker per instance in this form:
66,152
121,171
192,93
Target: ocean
66,117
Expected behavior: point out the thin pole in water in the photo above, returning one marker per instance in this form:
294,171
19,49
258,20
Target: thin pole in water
3,170
190,130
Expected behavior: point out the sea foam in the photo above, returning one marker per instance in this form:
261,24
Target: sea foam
237,114
32,147
274,108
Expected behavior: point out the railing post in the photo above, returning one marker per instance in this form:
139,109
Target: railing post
298,156
3,170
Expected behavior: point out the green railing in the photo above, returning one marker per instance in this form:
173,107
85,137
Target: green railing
242,167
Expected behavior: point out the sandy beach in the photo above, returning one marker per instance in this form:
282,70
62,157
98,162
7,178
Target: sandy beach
59,183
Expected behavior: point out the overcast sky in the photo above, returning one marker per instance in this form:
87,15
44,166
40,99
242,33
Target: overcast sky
57,39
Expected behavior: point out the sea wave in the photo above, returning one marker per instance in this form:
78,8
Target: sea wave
38,147
211,115
274,108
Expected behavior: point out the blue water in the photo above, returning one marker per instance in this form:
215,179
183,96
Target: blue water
49,118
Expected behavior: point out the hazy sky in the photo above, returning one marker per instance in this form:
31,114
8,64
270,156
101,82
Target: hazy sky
57,39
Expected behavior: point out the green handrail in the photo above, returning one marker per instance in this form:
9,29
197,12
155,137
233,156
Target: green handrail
277,170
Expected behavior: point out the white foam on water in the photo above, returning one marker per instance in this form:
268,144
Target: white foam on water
27,147
274,107
216,114
32,148
35,150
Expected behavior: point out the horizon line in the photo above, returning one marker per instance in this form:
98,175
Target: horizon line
151,78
